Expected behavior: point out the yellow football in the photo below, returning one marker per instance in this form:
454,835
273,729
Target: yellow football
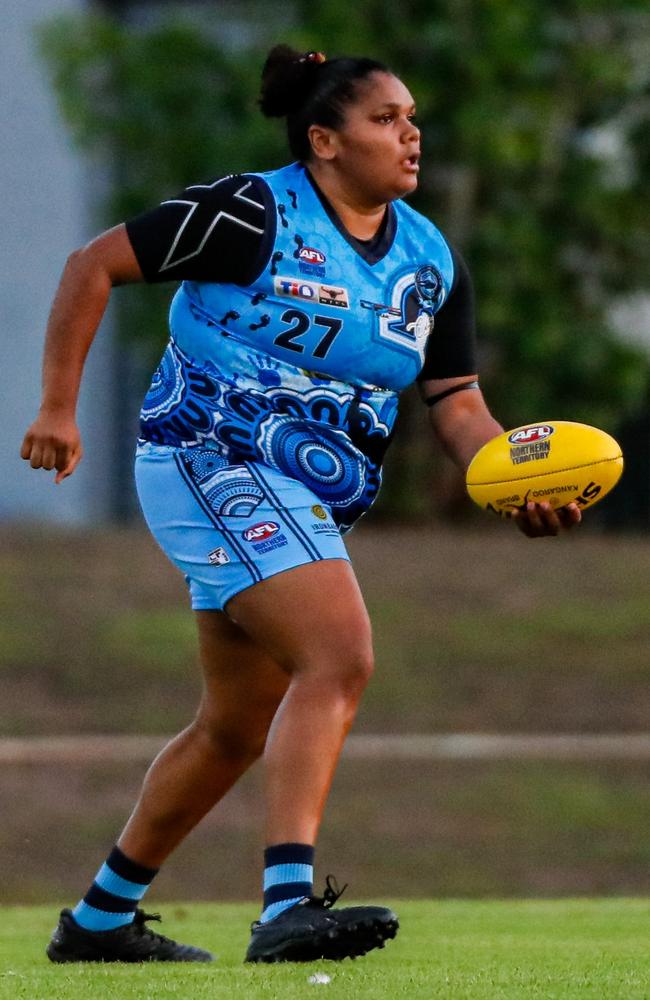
558,462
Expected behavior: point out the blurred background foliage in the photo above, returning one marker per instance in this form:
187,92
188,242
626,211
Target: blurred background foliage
535,120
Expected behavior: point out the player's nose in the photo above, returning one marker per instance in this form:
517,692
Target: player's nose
410,131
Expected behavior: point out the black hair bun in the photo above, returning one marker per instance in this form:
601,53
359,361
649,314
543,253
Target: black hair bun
287,76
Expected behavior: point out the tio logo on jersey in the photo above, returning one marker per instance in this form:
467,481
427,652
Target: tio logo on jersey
325,295
260,532
296,288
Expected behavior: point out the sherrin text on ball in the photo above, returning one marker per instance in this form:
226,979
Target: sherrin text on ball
557,462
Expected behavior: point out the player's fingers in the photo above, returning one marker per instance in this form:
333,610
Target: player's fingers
63,455
26,447
67,471
534,520
570,515
70,466
550,521
35,456
48,457
520,517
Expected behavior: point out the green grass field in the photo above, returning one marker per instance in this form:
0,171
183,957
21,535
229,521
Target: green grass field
503,950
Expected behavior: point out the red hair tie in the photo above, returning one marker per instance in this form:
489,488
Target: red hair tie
316,57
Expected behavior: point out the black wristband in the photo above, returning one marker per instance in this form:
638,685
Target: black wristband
432,400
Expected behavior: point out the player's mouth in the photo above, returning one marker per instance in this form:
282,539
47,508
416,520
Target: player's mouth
412,163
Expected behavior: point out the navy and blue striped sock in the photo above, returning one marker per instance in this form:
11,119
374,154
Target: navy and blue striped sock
288,877
113,897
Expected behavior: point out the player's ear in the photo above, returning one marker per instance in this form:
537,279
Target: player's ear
323,142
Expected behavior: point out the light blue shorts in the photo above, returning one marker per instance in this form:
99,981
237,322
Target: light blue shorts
227,527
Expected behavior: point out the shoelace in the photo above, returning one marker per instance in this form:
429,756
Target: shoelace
139,921
331,894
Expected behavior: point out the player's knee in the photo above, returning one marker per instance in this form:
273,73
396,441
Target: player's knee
354,657
227,741
346,671
359,669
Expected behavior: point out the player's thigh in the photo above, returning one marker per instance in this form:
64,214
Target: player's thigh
309,616
259,544
242,683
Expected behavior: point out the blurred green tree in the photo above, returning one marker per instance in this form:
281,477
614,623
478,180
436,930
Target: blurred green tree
535,123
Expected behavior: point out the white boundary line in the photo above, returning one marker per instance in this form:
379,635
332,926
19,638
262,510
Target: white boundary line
425,747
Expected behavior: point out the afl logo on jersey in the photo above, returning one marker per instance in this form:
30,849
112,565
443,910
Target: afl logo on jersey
310,255
260,532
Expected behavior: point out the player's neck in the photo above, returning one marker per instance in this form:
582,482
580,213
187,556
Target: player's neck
361,217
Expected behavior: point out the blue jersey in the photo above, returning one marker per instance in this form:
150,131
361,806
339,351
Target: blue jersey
300,368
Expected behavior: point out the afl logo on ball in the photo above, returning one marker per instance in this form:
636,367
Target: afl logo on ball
260,532
528,435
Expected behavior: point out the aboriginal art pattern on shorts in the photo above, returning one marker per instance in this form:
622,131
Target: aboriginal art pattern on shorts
329,435
229,490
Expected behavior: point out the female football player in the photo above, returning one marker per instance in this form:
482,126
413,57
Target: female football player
310,296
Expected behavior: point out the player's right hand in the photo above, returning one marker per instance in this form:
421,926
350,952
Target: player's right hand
538,520
53,442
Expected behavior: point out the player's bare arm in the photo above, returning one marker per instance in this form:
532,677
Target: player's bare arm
459,416
53,440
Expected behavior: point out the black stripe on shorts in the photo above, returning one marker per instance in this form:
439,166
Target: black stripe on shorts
216,520
298,531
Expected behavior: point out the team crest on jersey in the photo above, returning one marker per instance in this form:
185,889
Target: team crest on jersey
407,319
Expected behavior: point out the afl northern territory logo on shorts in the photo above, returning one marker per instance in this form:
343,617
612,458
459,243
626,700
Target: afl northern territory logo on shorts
265,536
260,532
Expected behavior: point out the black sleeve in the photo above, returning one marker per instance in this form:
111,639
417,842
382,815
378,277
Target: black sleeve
451,348
221,231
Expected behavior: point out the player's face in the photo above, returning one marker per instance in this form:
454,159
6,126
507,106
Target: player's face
378,145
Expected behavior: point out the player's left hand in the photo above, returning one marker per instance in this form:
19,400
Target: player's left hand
539,520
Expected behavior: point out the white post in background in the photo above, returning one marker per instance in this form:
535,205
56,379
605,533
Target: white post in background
46,210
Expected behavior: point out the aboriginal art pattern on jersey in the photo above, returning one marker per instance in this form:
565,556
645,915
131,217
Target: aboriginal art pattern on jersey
329,435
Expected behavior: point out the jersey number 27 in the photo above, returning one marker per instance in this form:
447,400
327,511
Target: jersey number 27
299,324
